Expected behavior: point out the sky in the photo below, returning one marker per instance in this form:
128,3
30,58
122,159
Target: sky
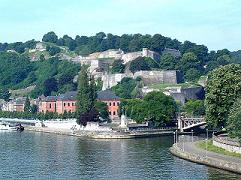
214,23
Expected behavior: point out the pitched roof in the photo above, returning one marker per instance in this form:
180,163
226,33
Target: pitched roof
68,96
50,98
107,95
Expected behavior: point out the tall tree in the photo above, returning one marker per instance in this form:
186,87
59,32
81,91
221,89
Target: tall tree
223,88
86,97
27,106
234,120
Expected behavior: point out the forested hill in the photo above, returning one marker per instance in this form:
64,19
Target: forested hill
17,71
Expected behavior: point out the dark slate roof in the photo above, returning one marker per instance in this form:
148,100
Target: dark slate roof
50,98
107,95
68,96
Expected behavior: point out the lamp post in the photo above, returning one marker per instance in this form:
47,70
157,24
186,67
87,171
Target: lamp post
192,134
207,143
174,137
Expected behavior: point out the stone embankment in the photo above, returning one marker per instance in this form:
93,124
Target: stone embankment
101,134
191,152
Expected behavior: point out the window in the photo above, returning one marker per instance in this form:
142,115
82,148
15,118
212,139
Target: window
113,103
50,106
109,113
64,104
118,104
73,104
68,104
109,103
114,113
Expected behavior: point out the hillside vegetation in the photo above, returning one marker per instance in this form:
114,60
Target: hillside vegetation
21,65
49,76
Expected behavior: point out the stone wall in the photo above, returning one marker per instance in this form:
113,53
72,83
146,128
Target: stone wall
148,77
110,80
193,93
227,143
151,77
144,53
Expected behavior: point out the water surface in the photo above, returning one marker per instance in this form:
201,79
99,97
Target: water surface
30,155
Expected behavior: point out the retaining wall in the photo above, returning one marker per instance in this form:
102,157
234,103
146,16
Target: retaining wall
227,143
209,161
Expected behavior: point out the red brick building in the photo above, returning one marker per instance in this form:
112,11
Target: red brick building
112,101
67,102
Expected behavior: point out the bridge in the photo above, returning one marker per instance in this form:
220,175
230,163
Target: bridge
185,123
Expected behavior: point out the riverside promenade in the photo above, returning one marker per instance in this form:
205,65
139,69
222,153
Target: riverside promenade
190,151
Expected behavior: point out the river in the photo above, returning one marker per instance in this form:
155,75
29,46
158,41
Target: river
32,155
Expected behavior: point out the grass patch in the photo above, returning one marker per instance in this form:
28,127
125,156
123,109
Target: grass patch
211,147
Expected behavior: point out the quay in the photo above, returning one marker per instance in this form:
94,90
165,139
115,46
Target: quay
103,135
189,151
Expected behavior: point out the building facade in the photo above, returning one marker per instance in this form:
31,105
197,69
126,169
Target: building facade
112,101
16,105
67,103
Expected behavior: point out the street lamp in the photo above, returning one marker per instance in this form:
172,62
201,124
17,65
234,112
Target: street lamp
192,135
174,136
183,142
207,143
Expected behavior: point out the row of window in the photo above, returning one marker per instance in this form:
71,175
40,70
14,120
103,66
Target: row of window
113,113
73,104
113,104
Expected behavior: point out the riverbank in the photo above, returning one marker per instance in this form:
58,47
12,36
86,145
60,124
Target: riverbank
190,151
102,134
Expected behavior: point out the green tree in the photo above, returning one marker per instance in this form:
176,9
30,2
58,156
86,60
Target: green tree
85,96
125,88
5,94
53,50
34,108
139,64
50,37
118,67
234,120
223,88
102,108
50,85
27,106
194,108
155,106
192,75
168,62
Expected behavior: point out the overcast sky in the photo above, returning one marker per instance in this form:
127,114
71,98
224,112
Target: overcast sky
214,23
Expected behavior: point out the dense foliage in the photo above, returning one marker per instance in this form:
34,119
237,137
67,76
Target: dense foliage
194,108
139,64
52,75
118,67
223,88
155,106
234,120
195,59
125,87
